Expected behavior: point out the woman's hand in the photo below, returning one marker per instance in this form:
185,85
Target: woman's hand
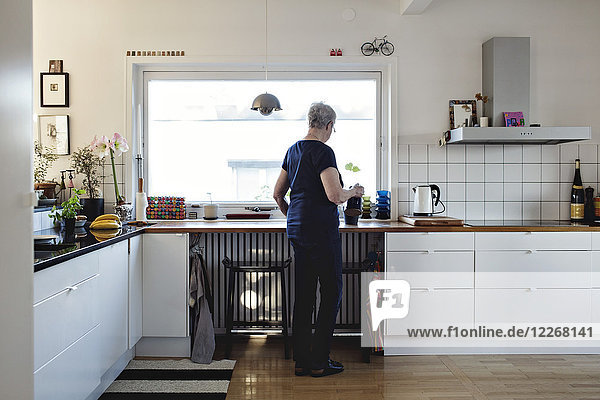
359,191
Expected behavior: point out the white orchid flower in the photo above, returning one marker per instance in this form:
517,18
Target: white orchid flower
101,146
119,144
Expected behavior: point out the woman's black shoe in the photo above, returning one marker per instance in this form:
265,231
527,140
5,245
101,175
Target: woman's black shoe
332,368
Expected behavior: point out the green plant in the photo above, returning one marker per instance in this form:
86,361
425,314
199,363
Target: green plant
351,167
69,207
44,156
86,162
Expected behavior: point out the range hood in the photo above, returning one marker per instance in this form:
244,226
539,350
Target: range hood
517,135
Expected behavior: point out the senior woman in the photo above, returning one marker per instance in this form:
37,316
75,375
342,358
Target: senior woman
310,170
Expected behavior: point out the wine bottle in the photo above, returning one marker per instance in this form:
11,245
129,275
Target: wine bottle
577,196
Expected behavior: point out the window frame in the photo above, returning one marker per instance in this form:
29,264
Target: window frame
296,75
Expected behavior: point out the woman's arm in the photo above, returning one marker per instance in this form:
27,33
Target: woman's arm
335,193
281,187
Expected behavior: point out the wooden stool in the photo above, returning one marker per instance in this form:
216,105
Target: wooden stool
236,268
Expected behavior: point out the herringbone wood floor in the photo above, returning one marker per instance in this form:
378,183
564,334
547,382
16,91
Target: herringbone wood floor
262,373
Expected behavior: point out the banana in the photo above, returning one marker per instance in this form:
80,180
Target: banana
108,217
105,224
102,235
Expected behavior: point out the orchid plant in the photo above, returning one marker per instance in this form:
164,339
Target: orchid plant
105,146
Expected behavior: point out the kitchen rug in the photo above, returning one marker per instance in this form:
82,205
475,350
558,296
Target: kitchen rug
171,380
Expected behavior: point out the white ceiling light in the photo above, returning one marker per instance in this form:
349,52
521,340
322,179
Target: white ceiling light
266,103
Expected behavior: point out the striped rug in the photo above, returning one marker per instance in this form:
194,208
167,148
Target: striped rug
171,380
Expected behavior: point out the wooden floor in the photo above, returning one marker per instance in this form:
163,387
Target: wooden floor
262,372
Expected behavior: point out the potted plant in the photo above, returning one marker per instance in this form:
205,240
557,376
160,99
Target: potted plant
103,147
44,157
86,162
353,206
68,212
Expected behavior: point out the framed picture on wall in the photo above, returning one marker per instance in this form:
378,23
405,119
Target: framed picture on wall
54,89
54,132
463,113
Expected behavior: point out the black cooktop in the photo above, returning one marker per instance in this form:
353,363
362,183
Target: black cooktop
519,222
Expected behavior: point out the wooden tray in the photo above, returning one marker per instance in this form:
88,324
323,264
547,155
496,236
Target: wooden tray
430,221
253,215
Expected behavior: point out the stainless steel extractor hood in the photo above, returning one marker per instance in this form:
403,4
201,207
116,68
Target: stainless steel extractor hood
517,135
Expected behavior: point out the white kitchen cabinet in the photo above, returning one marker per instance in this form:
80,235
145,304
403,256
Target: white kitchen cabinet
113,299
432,269
135,289
428,241
66,322
596,311
165,285
533,241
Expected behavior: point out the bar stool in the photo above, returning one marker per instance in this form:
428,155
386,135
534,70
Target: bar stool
236,268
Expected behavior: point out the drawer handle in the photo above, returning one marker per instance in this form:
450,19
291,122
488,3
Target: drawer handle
429,251
532,251
70,288
531,289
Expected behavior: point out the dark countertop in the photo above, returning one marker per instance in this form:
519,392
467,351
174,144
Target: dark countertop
84,242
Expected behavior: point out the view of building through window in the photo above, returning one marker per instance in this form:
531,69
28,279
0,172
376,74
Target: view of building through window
202,136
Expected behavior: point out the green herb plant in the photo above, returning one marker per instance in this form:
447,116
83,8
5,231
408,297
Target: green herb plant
69,207
86,162
43,158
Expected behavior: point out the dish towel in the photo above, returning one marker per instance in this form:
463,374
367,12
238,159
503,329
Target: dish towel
200,301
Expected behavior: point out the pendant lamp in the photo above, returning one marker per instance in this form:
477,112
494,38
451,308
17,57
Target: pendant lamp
266,103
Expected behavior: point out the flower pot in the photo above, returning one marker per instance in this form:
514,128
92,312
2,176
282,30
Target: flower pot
124,211
92,208
70,227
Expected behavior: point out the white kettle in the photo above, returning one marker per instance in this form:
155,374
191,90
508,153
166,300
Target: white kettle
426,198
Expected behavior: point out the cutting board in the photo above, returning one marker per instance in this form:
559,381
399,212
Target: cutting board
430,221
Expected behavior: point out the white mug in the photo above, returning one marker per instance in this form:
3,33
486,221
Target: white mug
484,122
211,211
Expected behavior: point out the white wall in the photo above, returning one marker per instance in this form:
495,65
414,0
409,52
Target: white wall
16,242
438,52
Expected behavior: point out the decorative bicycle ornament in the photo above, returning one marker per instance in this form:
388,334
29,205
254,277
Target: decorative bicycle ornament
376,46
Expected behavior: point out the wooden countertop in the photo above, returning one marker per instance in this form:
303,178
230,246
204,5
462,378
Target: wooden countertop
367,226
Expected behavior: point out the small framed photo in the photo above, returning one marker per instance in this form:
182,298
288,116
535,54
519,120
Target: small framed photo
463,113
54,132
54,89
55,66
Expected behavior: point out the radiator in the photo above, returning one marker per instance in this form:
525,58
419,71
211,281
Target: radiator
258,296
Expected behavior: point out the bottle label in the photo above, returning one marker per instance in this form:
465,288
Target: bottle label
577,211
577,187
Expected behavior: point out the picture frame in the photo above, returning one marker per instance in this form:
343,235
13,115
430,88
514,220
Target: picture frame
54,89
54,131
55,66
463,113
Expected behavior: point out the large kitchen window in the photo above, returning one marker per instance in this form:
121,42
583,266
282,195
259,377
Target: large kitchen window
201,136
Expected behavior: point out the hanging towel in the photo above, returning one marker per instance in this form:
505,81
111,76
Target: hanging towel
201,303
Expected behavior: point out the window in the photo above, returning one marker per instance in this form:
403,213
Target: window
201,135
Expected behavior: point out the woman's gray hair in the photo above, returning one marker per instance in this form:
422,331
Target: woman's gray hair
319,115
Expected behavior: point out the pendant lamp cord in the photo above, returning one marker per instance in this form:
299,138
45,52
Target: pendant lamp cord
266,43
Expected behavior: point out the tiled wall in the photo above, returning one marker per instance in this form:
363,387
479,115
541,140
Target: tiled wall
496,182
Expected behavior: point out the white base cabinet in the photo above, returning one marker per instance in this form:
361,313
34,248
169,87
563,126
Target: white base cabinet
136,261
165,285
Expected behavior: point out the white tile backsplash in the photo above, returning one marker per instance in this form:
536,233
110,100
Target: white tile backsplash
494,173
568,153
513,173
418,172
418,153
474,154
532,154
436,154
588,153
494,153
496,181
513,154
455,154
550,173
456,172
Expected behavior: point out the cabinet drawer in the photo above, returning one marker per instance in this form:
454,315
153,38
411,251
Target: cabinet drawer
524,269
52,280
400,241
431,269
595,240
533,241
62,319
435,309
73,375
596,269
532,306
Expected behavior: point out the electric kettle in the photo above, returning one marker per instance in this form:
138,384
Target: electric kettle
426,198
